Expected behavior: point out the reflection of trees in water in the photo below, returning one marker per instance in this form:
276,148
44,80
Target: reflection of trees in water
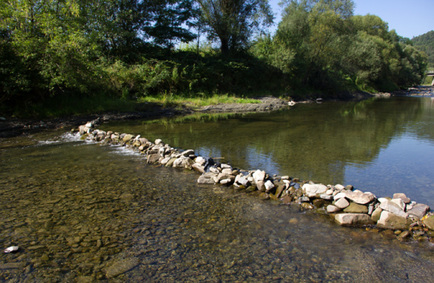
309,141
423,126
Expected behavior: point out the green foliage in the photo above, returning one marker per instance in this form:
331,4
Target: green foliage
321,45
233,22
425,43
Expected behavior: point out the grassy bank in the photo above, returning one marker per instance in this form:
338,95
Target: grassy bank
61,106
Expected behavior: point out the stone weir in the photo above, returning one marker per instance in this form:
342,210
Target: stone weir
347,206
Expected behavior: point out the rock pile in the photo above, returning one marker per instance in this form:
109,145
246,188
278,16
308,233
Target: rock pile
348,207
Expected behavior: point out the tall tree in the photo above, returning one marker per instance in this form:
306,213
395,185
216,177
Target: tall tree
233,22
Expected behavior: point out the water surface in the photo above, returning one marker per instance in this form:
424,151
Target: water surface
379,145
82,212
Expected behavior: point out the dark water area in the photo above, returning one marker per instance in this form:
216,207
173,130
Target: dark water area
81,212
383,146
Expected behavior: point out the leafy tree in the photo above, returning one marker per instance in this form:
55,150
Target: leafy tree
425,43
233,22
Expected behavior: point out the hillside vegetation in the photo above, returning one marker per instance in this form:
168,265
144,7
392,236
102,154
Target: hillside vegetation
425,43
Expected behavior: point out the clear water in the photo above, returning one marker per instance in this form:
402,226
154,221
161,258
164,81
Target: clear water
384,146
81,212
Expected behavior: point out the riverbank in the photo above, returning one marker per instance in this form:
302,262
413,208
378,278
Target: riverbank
10,127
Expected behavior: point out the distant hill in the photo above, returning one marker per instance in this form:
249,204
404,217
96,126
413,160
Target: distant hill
425,42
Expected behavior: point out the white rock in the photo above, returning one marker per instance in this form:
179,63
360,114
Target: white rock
399,202
392,207
311,190
339,187
339,196
332,208
353,218
390,220
342,203
200,160
268,185
360,197
11,249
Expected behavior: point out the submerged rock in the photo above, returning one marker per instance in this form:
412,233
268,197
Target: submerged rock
389,220
121,266
350,219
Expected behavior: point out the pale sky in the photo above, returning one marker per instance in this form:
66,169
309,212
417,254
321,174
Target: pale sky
408,17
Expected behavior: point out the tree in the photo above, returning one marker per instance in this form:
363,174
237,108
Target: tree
233,22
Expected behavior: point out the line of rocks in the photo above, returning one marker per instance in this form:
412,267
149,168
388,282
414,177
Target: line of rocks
348,207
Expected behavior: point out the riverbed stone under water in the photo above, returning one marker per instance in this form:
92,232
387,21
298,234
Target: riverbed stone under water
82,212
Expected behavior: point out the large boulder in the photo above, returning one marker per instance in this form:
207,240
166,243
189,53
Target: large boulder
389,220
351,219
313,190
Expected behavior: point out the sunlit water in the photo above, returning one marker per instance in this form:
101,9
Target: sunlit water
84,212
383,146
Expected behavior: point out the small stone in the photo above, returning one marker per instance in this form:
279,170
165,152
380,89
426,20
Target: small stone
268,186
188,152
418,210
207,178
399,202
318,202
429,222
360,197
197,167
307,205
200,160
332,208
404,234
376,214
127,138
349,187
347,219
342,203
356,208
312,190
326,196
402,196
121,266
339,187
392,207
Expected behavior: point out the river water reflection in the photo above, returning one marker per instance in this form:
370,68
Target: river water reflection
383,146
81,212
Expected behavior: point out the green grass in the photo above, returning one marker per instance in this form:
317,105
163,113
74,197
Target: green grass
62,106
197,101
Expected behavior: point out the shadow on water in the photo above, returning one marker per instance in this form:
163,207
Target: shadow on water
83,212
339,142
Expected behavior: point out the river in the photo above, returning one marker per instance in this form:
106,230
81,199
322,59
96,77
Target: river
81,212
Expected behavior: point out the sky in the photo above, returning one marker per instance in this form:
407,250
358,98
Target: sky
409,18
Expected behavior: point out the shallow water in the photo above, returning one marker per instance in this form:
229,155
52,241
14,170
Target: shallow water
82,212
381,145
79,211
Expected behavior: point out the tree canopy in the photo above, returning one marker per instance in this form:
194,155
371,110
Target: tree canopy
233,22
130,48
